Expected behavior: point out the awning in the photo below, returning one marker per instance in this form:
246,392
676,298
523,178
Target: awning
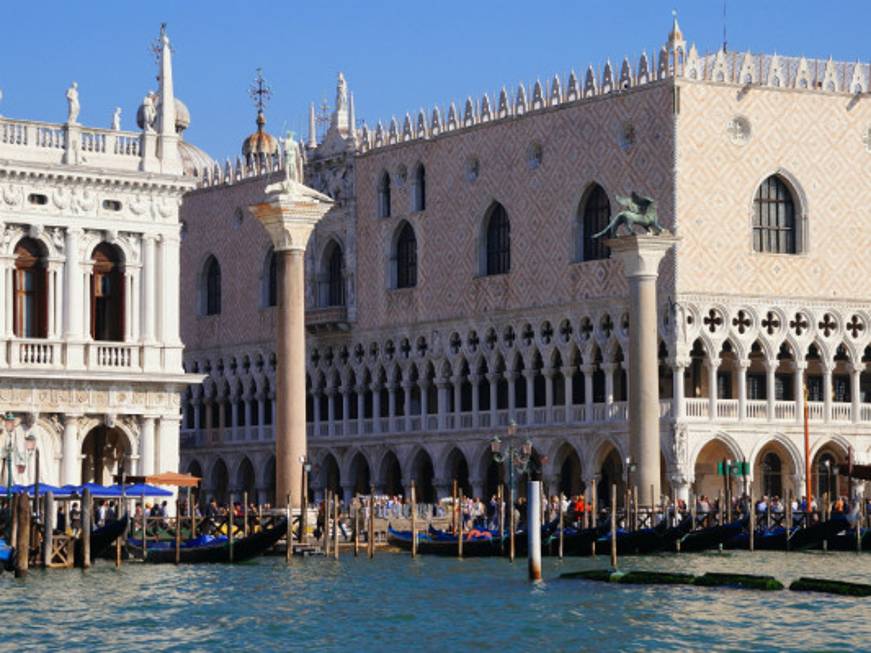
174,479
139,489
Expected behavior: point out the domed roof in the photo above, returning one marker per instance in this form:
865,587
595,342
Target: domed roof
182,114
260,142
194,161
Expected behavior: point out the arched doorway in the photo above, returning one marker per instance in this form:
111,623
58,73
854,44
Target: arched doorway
611,472
493,477
269,481
245,480
707,480
458,470
220,481
569,466
829,472
330,478
360,474
773,470
104,451
423,474
391,475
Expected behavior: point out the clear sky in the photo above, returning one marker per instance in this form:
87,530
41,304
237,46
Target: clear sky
396,56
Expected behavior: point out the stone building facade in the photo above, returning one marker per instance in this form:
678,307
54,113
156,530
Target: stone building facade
91,356
456,285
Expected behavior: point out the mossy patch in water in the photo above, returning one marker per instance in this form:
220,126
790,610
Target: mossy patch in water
603,575
653,578
742,581
830,587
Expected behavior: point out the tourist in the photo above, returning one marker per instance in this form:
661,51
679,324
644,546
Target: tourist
61,519
75,519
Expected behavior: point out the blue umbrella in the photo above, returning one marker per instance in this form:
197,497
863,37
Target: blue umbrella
100,490
138,489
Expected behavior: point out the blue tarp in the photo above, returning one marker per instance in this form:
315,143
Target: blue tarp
98,491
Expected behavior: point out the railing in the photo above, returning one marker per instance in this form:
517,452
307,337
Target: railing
539,416
842,412
727,408
757,409
579,413
113,356
467,420
696,407
559,415
599,412
784,410
618,410
34,353
816,409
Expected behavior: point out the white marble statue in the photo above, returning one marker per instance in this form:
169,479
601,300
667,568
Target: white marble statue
73,102
116,119
341,93
149,112
293,163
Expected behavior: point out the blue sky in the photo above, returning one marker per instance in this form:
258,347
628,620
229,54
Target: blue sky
397,56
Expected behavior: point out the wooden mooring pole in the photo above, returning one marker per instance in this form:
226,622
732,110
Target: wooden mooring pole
177,531
87,519
460,524
614,526
595,515
327,523
753,523
371,538
230,524
357,505
336,516
22,535
288,536
561,525
245,513
48,533
413,520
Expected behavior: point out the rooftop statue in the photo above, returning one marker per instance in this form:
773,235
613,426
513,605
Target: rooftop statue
116,119
637,210
73,103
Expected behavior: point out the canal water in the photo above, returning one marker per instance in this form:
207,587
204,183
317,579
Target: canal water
394,603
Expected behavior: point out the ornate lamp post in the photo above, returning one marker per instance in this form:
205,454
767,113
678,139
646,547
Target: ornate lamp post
33,451
522,457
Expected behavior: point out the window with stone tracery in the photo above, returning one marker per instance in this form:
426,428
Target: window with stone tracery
212,287
406,258
30,306
594,216
384,196
498,241
774,220
107,293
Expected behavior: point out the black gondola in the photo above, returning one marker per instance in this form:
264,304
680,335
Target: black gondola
101,540
205,550
778,539
447,546
712,537
648,540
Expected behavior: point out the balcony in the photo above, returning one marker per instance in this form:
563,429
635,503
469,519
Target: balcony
51,354
326,319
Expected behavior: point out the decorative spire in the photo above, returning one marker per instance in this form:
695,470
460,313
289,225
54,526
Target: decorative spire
259,144
312,129
168,142
352,120
339,119
260,91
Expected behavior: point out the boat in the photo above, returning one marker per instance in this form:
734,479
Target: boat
445,544
577,541
647,540
101,540
6,555
777,538
712,537
210,548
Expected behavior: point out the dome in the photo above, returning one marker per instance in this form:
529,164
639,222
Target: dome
194,161
260,143
182,114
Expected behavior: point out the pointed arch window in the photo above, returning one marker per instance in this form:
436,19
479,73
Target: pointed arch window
594,214
406,257
270,280
331,280
107,294
384,195
30,305
497,241
212,287
419,190
774,220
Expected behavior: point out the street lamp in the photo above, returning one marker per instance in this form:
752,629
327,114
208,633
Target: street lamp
522,456
33,450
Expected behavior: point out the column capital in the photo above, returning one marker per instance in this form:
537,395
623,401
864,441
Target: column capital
744,363
588,368
376,386
799,366
474,379
641,253
713,363
680,362
771,364
856,368
493,377
291,213
610,368
548,372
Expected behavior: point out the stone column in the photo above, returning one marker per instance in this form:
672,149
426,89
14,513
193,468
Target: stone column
146,447
529,375
442,403
316,410
289,216
510,377
457,381
71,458
828,367
588,369
331,410
346,409
74,311
493,379
568,392
640,256
375,389
609,369
742,389
678,391
391,405
149,302
423,384
770,369
548,373
475,381
713,366
855,391
799,368
407,385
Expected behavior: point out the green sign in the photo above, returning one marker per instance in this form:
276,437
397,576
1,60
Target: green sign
737,468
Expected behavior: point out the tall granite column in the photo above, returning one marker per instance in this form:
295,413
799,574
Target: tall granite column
641,255
289,216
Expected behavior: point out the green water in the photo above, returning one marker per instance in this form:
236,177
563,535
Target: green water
394,603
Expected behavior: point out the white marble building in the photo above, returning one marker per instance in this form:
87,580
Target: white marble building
90,353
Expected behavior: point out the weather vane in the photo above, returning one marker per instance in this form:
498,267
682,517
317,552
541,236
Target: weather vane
260,91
